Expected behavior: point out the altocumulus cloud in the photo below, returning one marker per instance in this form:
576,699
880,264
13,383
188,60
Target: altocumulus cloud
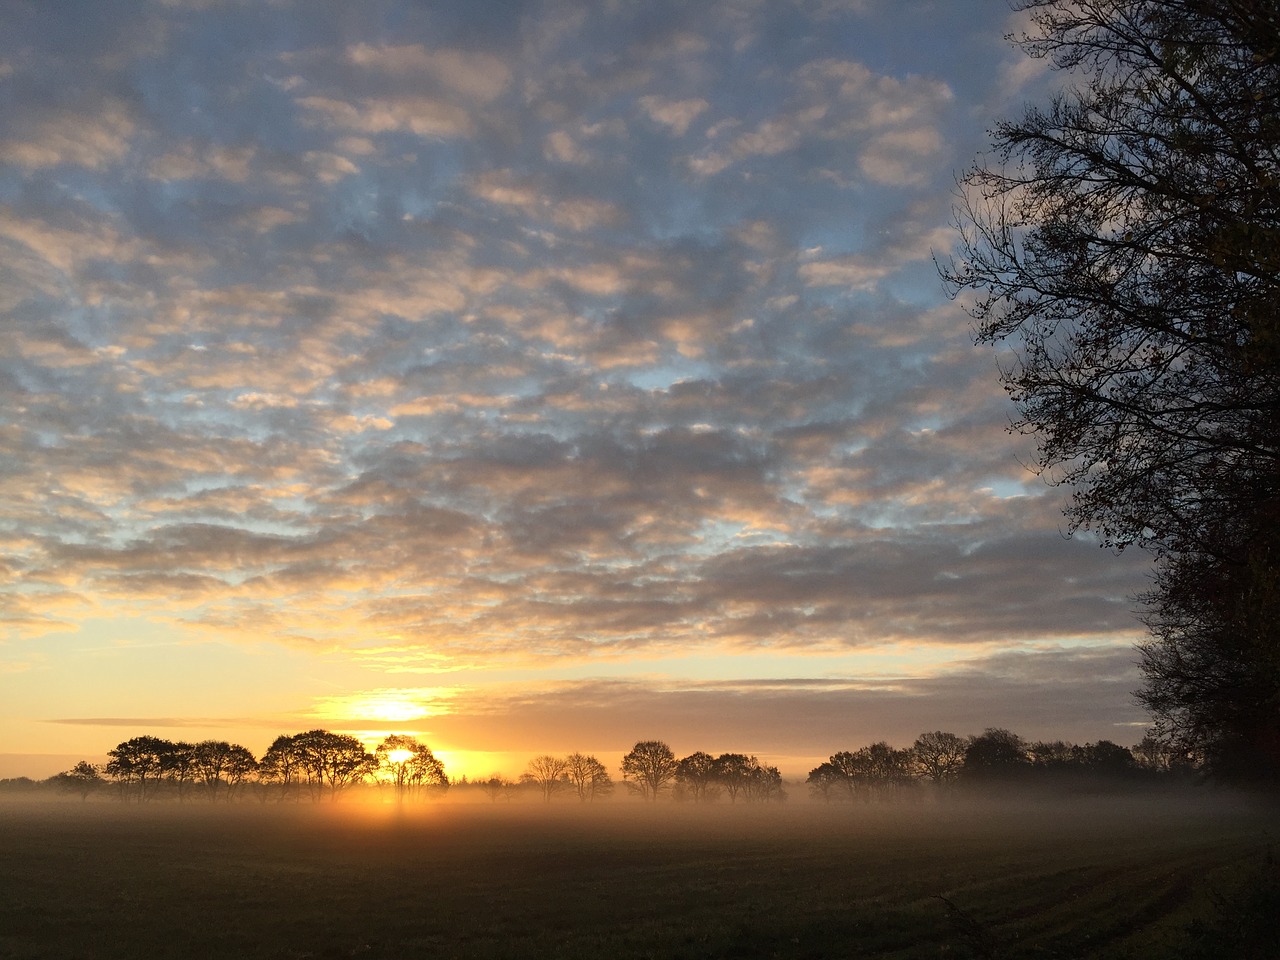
555,332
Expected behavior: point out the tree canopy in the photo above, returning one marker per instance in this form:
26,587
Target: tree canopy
1124,241
548,774
649,768
408,764
589,777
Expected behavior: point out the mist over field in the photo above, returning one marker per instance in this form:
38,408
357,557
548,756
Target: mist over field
1098,877
416,417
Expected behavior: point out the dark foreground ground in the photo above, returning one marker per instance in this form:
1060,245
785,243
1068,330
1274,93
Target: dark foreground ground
1114,879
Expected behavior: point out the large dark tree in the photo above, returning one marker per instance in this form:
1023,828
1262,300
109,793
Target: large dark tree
84,778
217,762
410,765
179,765
939,757
649,768
588,775
734,771
996,757
139,763
765,783
548,774
696,773
333,761
826,783
1124,240
283,766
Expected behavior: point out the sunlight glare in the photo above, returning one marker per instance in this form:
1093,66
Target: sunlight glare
390,705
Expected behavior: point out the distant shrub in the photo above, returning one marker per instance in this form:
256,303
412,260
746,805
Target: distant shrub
19,785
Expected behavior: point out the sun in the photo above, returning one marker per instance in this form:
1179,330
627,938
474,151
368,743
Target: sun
394,705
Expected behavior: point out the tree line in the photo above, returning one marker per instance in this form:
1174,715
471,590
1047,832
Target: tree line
321,765
996,757
650,771
314,765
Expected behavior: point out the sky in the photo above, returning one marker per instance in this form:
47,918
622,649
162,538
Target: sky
533,377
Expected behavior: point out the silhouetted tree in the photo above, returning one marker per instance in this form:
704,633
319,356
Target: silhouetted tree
697,773
764,784
1053,754
849,768
887,771
139,762
733,771
1126,242
1212,669
239,767
215,762
497,787
874,772
1108,759
409,764
84,778
826,783
939,756
333,761
427,773
1156,755
588,776
1068,764
649,768
548,774
995,755
179,765
283,766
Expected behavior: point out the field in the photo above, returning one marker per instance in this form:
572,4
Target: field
1115,879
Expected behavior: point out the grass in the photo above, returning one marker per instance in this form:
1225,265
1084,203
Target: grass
1117,880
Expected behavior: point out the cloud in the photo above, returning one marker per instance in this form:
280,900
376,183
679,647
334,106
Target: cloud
913,242
476,76
92,140
1045,694
561,146
153,723
901,157
506,189
189,162
420,115
675,115
845,102
565,342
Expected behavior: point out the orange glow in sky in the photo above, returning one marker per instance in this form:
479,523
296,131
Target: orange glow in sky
532,383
